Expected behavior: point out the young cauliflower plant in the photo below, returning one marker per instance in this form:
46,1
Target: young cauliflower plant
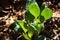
35,18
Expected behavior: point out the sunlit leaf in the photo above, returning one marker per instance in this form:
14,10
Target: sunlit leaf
40,27
23,26
30,34
26,36
47,13
34,9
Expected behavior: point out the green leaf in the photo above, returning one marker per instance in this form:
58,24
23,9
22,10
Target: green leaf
34,26
26,36
42,6
32,29
40,19
47,13
30,34
16,26
29,17
34,9
23,26
40,27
